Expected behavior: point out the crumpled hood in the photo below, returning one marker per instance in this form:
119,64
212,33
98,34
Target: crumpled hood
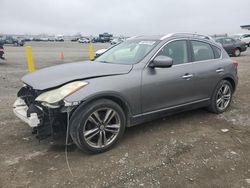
58,75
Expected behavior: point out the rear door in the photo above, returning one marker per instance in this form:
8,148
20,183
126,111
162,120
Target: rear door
208,68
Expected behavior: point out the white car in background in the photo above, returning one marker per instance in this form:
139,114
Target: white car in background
59,38
244,37
83,40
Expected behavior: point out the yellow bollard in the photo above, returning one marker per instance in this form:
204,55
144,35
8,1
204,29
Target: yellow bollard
91,51
30,62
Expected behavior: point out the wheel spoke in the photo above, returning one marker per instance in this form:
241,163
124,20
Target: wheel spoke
111,130
219,101
96,114
227,97
115,126
90,133
109,111
225,90
92,120
104,138
109,117
100,139
223,104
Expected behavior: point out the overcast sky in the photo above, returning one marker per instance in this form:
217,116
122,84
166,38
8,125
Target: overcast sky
123,17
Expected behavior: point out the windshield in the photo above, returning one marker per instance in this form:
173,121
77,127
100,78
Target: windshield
128,52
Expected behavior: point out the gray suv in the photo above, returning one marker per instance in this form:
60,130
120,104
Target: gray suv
139,80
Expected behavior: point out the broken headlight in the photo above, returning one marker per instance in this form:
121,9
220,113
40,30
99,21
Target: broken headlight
56,95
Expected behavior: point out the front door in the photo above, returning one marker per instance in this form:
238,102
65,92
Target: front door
167,87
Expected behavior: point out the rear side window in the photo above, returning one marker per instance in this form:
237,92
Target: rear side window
217,52
202,51
177,50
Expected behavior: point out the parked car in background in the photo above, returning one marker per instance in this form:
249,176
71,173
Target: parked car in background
243,37
116,41
74,39
83,40
59,38
138,80
99,52
105,37
1,50
51,39
13,40
232,46
44,39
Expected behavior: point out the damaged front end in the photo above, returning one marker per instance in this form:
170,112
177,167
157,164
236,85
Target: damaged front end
45,111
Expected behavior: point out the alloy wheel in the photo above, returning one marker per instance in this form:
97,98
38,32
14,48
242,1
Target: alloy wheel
101,127
223,97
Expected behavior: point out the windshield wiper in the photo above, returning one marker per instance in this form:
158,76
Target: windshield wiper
104,61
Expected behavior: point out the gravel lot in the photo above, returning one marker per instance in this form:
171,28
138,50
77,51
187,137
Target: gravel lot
191,149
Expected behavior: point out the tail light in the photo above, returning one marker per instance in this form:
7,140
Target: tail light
235,63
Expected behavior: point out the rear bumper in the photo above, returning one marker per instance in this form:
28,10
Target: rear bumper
20,110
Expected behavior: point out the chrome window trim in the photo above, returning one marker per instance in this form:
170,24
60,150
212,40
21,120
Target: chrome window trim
191,62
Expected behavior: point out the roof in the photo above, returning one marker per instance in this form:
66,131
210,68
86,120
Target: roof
245,27
163,37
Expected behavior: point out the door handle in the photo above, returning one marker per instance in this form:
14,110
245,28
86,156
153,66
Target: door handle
187,76
219,70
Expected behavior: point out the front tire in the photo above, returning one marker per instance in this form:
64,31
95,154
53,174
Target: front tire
96,127
222,97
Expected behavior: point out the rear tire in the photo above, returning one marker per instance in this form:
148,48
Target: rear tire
97,126
237,52
221,98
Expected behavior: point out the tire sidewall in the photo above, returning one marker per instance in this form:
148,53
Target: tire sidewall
82,115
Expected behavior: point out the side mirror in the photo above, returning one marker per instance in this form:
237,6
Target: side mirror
161,61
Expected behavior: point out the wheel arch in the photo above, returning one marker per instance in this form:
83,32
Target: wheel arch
238,47
121,101
232,82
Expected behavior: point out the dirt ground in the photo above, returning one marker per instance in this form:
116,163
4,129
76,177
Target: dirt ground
191,149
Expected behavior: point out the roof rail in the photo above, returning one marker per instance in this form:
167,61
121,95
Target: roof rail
133,37
187,34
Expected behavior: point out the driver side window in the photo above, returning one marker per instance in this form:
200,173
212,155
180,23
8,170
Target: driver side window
177,50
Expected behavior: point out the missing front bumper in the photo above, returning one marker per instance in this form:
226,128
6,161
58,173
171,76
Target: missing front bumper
20,110
43,120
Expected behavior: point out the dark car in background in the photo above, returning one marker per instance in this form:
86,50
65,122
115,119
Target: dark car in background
105,37
1,50
232,46
13,40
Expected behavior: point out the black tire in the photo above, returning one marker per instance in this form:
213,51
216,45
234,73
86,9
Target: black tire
237,52
213,105
80,120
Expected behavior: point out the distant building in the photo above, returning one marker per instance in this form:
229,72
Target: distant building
245,27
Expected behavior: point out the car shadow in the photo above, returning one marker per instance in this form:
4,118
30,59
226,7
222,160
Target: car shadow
58,144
